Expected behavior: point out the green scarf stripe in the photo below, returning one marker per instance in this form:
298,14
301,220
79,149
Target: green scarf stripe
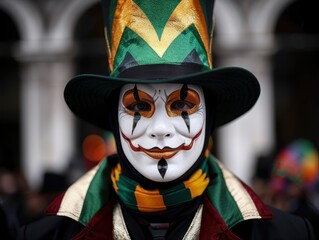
99,186
100,190
124,184
172,199
175,53
219,195
169,196
129,192
204,166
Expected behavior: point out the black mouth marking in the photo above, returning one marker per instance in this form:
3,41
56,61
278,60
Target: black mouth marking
162,167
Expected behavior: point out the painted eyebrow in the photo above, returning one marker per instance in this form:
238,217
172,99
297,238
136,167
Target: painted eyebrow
135,93
137,115
185,116
155,91
184,91
166,96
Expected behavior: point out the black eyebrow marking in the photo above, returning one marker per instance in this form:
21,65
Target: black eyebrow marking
166,96
137,115
135,93
185,116
184,92
155,92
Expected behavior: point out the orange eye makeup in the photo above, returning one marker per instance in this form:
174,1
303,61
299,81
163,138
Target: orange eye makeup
144,104
175,105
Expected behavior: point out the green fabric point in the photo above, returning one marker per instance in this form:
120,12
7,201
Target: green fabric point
208,14
109,17
175,53
179,50
158,20
97,194
219,195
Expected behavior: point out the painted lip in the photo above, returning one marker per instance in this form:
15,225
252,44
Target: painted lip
158,153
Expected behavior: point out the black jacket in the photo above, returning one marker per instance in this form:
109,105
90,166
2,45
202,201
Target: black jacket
282,226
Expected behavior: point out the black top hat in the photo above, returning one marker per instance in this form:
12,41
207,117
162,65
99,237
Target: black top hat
161,41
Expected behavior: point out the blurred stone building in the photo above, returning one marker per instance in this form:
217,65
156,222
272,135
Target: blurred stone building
44,43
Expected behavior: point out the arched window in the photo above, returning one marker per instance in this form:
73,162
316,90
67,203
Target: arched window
9,95
296,75
91,58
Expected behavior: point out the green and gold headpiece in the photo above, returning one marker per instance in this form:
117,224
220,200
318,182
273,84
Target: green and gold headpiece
140,33
161,41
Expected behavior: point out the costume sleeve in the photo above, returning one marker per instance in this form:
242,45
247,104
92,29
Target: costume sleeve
283,226
310,228
50,228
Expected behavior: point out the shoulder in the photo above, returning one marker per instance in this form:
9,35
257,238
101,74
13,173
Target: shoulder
50,227
55,227
281,226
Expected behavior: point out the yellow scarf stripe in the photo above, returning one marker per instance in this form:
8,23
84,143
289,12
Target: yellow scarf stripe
137,198
115,176
149,200
83,199
197,183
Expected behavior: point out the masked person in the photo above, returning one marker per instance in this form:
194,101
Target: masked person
162,100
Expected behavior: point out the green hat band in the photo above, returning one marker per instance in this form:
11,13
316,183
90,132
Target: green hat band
157,32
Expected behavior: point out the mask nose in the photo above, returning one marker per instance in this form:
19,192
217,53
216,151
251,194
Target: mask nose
161,126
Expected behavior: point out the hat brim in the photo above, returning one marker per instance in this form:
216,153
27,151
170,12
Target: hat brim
234,90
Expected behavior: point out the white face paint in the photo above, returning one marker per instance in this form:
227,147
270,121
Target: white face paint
162,128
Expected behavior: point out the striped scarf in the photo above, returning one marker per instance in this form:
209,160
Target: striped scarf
134,196
233,200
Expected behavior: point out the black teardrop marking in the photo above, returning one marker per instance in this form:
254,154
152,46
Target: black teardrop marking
137,117
162,167
186,120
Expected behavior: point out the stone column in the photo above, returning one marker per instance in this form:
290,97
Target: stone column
252,135
47,124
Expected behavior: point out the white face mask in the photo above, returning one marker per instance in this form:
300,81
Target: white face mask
162,128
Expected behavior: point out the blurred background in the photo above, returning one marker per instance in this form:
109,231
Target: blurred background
44,43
